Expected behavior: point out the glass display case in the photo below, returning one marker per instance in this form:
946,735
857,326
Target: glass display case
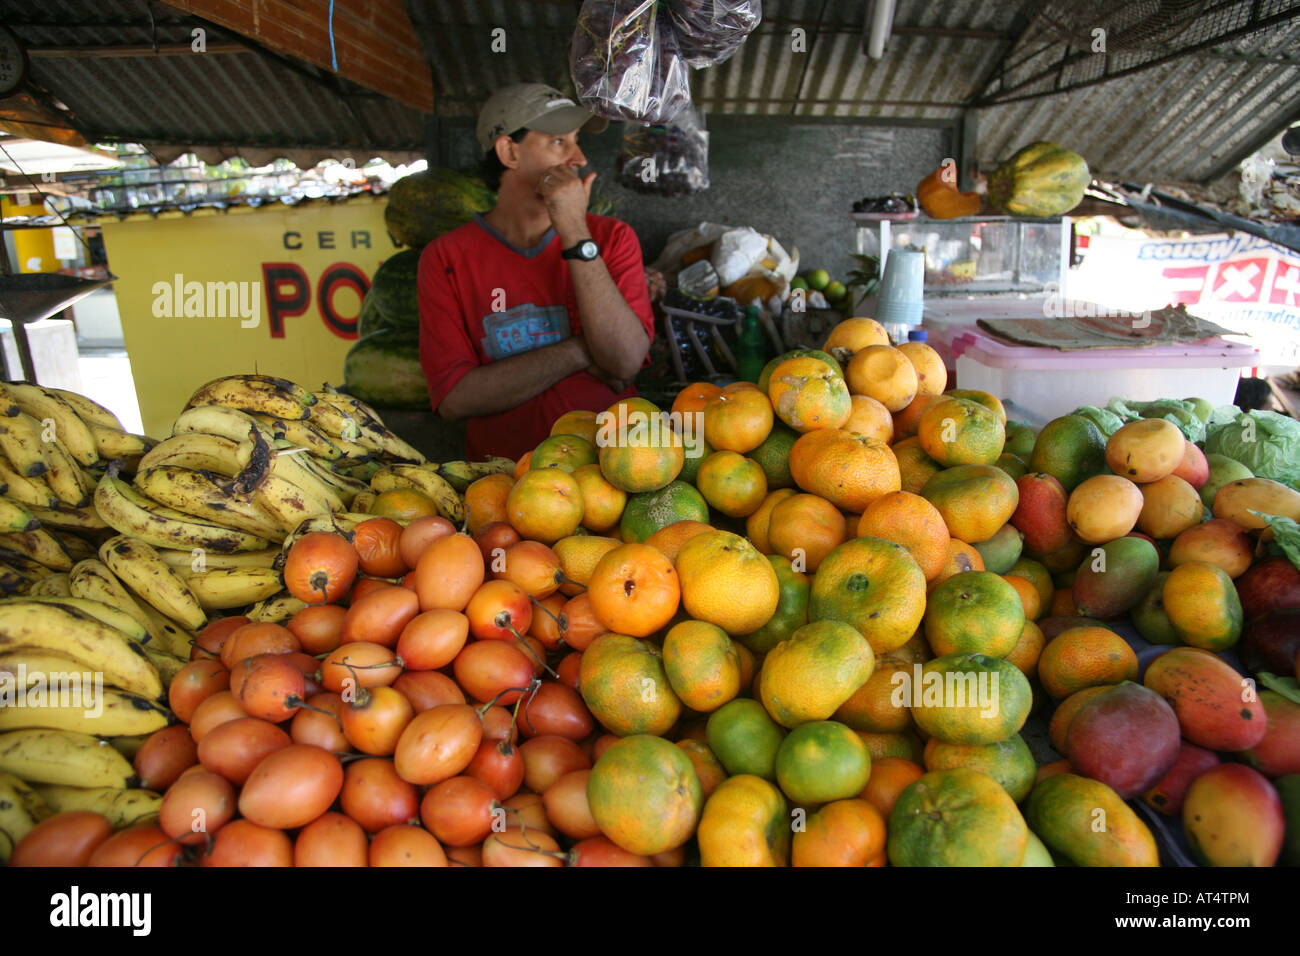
976,254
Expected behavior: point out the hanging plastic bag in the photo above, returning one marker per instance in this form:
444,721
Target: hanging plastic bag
625,63
710,31
671,159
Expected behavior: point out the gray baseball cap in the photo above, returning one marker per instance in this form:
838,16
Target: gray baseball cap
532,106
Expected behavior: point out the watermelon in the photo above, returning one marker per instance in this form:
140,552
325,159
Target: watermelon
395,291
383,369
424,205
369,320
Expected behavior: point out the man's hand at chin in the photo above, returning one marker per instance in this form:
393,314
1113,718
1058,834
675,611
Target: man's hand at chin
566,196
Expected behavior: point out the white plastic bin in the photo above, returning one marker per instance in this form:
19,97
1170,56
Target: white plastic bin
1052,383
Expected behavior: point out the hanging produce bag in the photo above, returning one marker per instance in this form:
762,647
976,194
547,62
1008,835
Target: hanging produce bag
671,159
625,63
710,31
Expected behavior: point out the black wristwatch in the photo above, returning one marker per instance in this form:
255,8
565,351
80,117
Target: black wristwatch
585,251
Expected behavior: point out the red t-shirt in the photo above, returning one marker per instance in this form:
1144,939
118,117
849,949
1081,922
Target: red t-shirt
483,299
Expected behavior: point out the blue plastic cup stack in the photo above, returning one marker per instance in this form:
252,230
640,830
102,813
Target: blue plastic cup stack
901,297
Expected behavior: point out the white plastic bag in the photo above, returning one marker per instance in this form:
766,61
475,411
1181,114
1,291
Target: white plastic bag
736,253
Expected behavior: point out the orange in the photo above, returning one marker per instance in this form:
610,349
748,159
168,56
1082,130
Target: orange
808,677
1009,762
708,768
873,706
848,470
758,524
485,501
580,422
961,557
623,683
1065,711
644,795
634,590
957,817
649,511
873,586
974,613
403,504
854,335
805,528
913,522
745,823
915,467
975,500
1036,574
987,399
868,417
970,699
638,449
1028,649
566,452
1029,597
602,503
774,456
738,420
890,776
727,582
1063,604
954,431
579,554
545,504
522,464
931,373
695,396
669,539
807,395
791,610
883,373
907,421
906,745
702,664
820,761
1082,657
842,833
733,484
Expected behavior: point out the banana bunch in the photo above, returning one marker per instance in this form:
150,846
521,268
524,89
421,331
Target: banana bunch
21,808
63,757
461,474
425,479
123,807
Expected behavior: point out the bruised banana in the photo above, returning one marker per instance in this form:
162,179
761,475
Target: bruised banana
127,511
15,516
302,434
107,614
63,518
333,418
364,501
229,423
22,444
89,411
197,560
200,451
39,546
25,490
461,474
52,585
139,566
220,589
291,466
77,547
447,500
112,443
256,393
123,807
166,663
379,439
66,478
207,496
8,404
71,430
39,755
276,609
51,628
21,808
289,503
344,485
340,522
103,711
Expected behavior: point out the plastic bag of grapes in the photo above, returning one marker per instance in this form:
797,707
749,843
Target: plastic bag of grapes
625,63
710,31
671,159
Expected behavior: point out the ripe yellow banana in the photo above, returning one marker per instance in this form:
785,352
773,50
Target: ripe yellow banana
77,547
332,418
196,560
341,522
22,444
229,423
256,393
122,807
63,757
52,585
139,566
302,434
127,511
448,500
21,808
461,474
39,546
26,666
375,436
107,614
8,405
84,709
28,491
166,663
112,443
169,636
220,589
289,464
200,451
364,501
68,425
90,412
344,485
209,497
93,580
14,516
277,609
68,519
128,747
289,503
66,477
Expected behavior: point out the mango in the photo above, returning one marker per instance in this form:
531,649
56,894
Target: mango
1103,508
1036,853
1233,817
1288,788
1126,737
1169,507
1219,542
1278,754
1114,577
1001,551
1210,698
1222,470
1040,515
1149,616
1237,499
1193,469
1167,795
1087,823
1145,450
1059,726
1203,606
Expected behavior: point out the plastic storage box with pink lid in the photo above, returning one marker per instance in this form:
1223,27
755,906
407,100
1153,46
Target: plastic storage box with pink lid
1049,383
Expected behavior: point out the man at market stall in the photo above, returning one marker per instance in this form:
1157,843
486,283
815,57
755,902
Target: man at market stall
537,307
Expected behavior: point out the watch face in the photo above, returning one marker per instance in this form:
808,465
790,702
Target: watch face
587,250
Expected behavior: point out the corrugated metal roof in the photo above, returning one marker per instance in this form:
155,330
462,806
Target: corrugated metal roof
1185,120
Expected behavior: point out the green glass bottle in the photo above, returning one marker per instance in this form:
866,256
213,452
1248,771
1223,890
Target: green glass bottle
751,349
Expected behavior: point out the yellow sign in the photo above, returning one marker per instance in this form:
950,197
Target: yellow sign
275,290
